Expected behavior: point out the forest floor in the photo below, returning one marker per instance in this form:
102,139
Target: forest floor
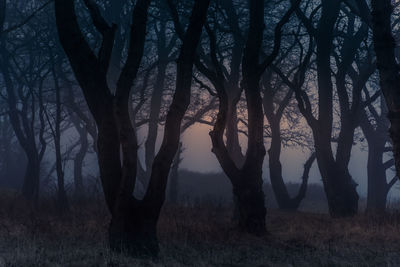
200,236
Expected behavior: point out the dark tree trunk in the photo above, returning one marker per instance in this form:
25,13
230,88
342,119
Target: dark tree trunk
62,200
284,200
234,93
339,186
85,126
384,45
377,184
174,176
79,161
250,202
246,178
234,149
113,16
249,189
31,183
78,174
22,125
133,224
377,138
155,110
30,186
164,58
338,183
133,230
341,192
232,135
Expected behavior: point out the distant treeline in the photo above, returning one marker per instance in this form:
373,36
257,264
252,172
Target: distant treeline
215,189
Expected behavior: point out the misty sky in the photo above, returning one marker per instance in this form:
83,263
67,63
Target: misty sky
198,157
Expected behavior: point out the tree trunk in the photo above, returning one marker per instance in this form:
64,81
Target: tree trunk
251,202
233,146
78,164
174,177
377,184
377,139
163,50
234,93
30,187
62,200
133,223
340,190
384,45
22,128
249,188
285,202
154,117
275,169
232,135
133,230
128,230
246,178
339,186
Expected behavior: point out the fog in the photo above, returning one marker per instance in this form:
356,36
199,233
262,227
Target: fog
199,132
197,157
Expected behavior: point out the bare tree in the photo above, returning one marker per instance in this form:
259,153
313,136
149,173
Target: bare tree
25,97
375,125
247,178
166,54
133,224
385,44
338,183
274,113
62,200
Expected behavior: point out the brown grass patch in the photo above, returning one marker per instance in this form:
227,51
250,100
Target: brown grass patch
200,236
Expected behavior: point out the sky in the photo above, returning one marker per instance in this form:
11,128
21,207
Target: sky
198,157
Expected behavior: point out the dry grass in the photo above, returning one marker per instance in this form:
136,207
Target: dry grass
200,236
